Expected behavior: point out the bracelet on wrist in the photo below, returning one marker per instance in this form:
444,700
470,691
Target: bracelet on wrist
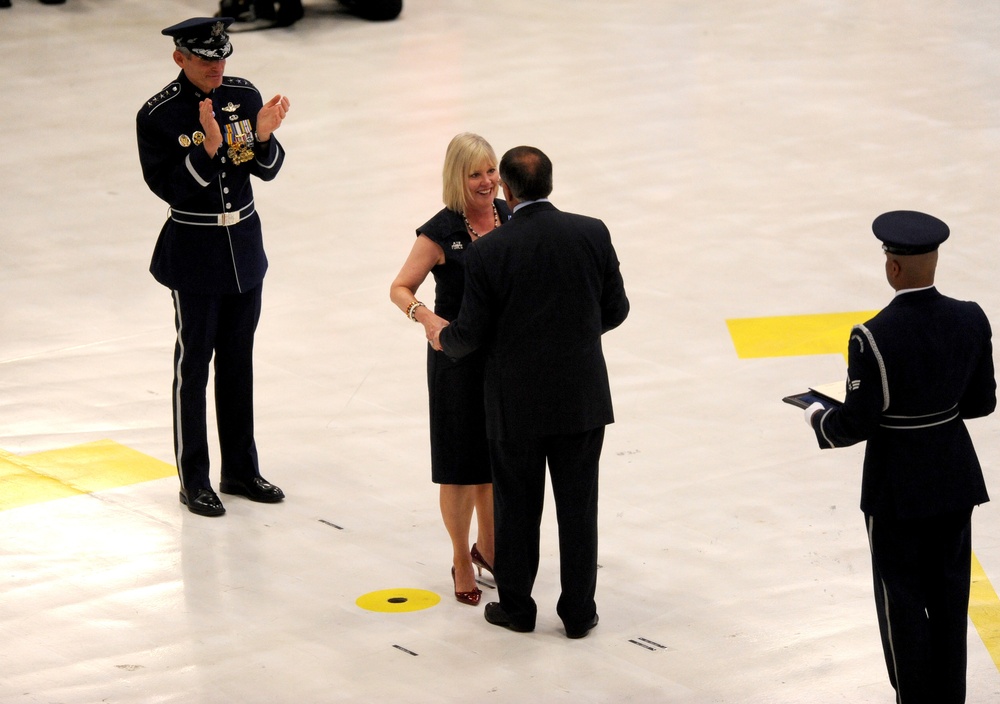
412,310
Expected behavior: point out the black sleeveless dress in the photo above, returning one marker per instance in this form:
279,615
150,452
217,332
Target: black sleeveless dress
459,452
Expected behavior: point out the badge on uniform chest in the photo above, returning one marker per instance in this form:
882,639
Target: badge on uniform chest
196,138
239,137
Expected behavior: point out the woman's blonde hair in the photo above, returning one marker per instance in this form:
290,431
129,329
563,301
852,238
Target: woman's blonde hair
466,152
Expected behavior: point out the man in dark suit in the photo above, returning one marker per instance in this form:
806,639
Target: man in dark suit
540,291
915,372
200,139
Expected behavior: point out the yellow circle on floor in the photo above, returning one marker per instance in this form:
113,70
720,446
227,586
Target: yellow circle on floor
396,601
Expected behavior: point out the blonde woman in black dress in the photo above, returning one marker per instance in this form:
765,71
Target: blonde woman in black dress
459,455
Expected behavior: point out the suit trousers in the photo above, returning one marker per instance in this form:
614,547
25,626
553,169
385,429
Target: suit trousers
921,570
518,498
224,326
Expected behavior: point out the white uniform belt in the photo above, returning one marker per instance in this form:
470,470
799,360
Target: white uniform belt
212,219
922,421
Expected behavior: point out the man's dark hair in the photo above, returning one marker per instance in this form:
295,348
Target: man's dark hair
527,173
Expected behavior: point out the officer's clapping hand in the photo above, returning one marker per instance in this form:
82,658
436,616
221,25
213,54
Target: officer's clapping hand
270,116
213,135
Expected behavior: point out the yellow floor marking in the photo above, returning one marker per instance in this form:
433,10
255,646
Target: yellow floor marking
790,335
71,471
793,335
984,610
398,600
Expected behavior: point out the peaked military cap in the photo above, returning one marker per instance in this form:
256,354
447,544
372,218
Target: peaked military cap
203,36
909,232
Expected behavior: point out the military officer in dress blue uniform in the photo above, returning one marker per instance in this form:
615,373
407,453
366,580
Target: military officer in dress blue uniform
201,138
915,372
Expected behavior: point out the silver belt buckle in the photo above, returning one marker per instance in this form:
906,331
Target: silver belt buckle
227,219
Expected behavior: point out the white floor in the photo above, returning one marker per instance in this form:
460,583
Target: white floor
738,152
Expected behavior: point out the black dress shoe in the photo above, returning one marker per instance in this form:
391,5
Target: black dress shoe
495,614
257,489
581,632
204,502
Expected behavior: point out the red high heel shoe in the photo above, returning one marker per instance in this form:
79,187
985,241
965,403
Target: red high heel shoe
470,598
479,561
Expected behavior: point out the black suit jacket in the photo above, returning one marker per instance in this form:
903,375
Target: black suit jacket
915,371
539,292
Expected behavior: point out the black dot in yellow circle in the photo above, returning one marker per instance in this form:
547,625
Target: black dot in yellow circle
394,601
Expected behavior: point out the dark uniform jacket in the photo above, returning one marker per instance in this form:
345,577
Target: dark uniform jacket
915,371
539,292
211,242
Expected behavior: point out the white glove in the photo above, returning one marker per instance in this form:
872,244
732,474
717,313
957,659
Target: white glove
816,406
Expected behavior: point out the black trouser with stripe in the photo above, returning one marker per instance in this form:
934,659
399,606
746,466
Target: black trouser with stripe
921,570
223,326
